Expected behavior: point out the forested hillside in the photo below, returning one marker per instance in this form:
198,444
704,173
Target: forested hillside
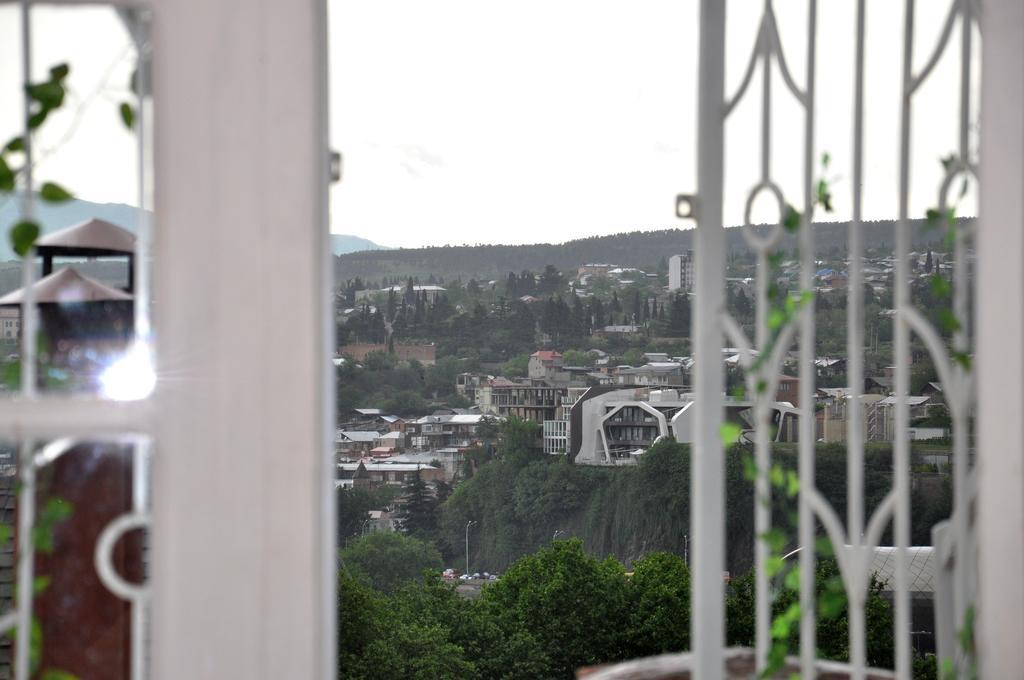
630,512
643,249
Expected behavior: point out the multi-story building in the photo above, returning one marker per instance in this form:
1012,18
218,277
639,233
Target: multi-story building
546,365
10,323
662,373
680,272
536,401
556,432
610,425
445,431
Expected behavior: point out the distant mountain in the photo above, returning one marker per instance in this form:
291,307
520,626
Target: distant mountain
56,216
643,249
53,217
342,244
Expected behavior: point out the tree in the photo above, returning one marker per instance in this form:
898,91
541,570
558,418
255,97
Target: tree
575,357
517,439
379,361
418,513
385,559
575,606
405,403
833,617
353,504
659,596
516,366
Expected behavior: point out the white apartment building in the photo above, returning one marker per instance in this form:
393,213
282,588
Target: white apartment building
10,323
680,272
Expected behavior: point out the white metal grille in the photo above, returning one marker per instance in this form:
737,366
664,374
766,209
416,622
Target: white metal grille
47,426
856,541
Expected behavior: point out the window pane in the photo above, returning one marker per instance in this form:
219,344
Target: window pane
77,192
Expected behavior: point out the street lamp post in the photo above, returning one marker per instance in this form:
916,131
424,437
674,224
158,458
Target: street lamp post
468,525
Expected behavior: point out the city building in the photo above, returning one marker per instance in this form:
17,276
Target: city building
10,323
367,472
614,426
546,365
426,354
680,272
445,431
536,401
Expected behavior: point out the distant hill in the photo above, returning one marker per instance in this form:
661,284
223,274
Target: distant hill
343,243
53,217
643,249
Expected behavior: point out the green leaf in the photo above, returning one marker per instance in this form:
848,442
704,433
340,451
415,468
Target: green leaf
948,670
730,433
784,622
54,193
55,511
6,530
966,633
40,583
59,72
831,604
806,297
738,392
773,565
775,539
950,238
57,674
50,95
947,161
792,483
16,144
823,546
23,237
762,386
127,115
962,358
749,468
12,376
932,217
776,319
825,159
791,220
37,118
823,196
6,176
940,286
793,579
777,476
948,320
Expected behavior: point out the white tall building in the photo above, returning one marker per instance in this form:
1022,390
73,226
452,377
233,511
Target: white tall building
680,272
10,322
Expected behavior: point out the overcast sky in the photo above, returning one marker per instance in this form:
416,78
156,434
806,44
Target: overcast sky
481,121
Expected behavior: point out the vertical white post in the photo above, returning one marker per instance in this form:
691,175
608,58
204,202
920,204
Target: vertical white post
999,303
901,359
707,480
808,620
242,571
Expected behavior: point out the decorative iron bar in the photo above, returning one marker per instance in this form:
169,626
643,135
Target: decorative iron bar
33,456
855,544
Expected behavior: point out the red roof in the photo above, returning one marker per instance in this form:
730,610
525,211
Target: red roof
546,355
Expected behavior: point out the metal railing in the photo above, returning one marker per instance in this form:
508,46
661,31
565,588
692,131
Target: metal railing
856,541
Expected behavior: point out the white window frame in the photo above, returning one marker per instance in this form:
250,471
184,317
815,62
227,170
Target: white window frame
243,571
